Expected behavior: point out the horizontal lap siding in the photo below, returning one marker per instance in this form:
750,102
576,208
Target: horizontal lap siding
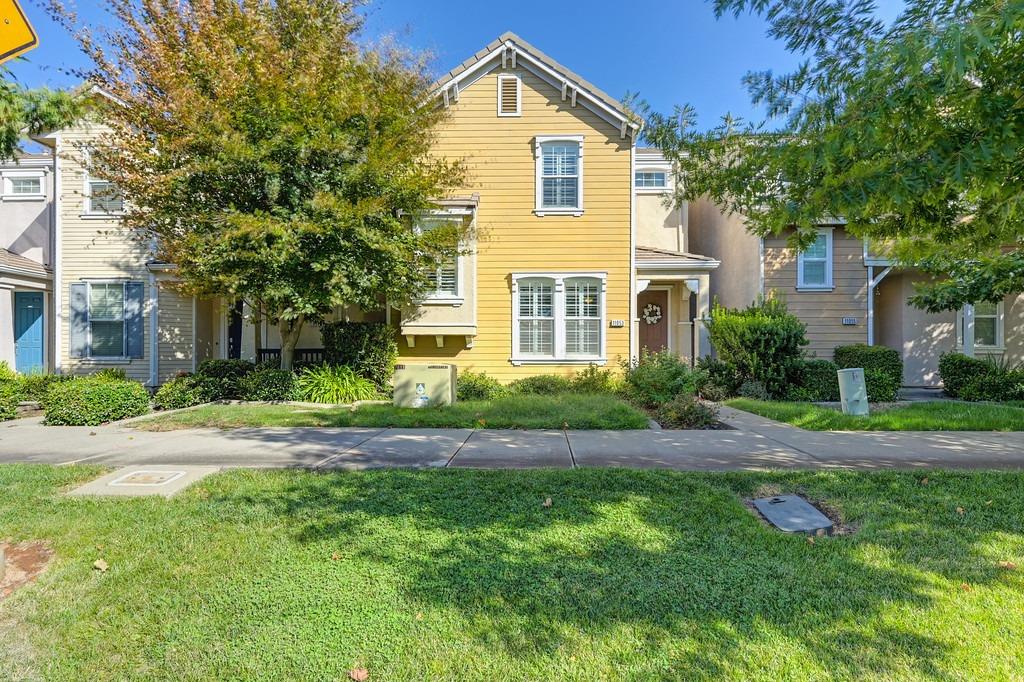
823,311
498,153
93,249
175,333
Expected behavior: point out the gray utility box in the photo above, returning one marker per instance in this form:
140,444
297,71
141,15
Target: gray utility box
424,385
853,394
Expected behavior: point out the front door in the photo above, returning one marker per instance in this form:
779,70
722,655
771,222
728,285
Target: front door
28,331
652,306
235,331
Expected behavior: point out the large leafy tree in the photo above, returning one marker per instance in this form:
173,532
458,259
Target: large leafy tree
269,154
912,132
29,111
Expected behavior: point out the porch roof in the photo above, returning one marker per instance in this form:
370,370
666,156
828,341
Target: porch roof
14,264
650,258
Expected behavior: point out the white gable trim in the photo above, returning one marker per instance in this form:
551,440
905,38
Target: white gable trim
560,82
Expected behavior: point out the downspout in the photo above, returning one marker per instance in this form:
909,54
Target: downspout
58,258
633,317
154,317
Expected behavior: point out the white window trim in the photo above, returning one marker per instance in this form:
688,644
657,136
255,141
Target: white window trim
88,212
519,94
652,190
443,299
558,308
124,330
829,264
6,188
1000,331
538,157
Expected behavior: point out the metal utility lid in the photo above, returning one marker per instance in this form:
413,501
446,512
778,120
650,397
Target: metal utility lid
793,514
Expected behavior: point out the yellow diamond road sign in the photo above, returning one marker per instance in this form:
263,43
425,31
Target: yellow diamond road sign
16,34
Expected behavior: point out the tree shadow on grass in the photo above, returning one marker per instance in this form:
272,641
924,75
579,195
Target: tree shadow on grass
675,560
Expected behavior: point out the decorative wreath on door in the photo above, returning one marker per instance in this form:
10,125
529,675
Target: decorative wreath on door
652,313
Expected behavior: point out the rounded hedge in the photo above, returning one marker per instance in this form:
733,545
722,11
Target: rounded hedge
957,371
180,392
867,357
478,386
91,402
267,384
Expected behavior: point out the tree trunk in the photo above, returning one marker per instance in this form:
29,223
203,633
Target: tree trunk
257,324
290,330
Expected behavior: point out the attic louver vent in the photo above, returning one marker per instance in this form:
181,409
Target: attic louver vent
508,96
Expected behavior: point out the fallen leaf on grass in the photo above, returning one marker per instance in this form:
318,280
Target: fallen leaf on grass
419,616
359,674
546,503
810,541
965,587
960,511
989,503
100,565
335,556
1007,565
924,481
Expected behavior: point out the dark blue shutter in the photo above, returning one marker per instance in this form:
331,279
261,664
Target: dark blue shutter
134,320
78,303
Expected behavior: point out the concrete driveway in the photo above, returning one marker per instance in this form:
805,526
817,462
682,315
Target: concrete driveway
753,443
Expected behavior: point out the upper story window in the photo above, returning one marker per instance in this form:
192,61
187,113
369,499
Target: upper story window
22,185
558,318
104,198
559,175
814,264
510,91
445,280
650,179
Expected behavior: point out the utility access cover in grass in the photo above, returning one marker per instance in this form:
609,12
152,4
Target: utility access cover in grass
793,514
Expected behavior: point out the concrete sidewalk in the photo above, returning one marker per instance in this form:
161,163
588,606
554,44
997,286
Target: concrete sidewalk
753,443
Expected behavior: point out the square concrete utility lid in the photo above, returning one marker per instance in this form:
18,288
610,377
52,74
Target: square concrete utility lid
150,480
793,514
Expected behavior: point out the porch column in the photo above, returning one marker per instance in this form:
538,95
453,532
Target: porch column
701,341
969,330
7,325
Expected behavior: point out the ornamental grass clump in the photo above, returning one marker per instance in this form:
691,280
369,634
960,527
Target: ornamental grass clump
334,384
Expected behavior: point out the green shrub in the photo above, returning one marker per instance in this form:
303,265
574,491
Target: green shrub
753,390
36,385
957,370
89,402
334,384
182,391
110,374
997,385
478,386
763,342
716,379
541,384
267,384
687,412
593,379
880,358
6,373
818,382
10,396
221,377
656,378
881,386
370,348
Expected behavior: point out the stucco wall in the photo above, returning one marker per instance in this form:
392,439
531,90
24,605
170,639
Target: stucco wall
26,223
737,281
659,225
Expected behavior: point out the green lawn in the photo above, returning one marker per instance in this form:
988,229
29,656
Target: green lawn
927,416
515,412
465,575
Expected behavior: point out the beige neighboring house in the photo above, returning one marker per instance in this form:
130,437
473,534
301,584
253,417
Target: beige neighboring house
26,259
845,295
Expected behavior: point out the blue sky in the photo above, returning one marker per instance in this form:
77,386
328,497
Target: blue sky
672,52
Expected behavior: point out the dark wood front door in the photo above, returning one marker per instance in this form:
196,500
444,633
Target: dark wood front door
652,306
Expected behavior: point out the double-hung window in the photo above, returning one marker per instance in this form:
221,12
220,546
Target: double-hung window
102,197
558,318
988,326
106,320
559,174
814,264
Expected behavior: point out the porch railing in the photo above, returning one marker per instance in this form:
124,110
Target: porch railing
303,356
